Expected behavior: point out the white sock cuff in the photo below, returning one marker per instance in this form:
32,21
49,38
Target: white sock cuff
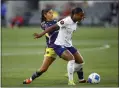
77,67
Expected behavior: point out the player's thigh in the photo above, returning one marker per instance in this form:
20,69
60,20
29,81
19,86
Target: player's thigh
49,52
76,54
49,57
63,53
67,55
78,57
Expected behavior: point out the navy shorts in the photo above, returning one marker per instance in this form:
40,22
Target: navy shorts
60,49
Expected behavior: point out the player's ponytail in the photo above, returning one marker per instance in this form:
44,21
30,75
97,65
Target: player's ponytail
42,16
44,11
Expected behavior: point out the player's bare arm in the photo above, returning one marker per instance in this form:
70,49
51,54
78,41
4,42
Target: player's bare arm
49,29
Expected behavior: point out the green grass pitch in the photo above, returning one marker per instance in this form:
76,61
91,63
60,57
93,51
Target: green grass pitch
22,55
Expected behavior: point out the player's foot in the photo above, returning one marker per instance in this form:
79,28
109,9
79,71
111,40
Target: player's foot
83,81
71,82
27,81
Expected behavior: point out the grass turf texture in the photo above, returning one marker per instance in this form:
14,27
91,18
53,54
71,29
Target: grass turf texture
22,55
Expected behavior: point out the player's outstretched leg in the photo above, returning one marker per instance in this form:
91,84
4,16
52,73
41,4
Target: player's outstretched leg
46,63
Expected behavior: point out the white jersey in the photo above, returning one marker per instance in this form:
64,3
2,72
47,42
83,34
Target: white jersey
67,27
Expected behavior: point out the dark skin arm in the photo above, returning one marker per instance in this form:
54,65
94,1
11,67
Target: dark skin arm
49,29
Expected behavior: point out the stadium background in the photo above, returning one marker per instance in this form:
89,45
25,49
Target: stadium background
96,38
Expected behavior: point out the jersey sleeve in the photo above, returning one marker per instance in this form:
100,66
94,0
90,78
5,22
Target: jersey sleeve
62,22
43,25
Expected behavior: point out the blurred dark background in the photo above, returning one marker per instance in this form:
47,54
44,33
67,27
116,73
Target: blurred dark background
98,13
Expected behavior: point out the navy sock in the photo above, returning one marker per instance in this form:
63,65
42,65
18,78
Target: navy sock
36,74
80,74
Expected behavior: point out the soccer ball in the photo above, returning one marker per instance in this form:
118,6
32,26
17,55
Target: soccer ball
94,78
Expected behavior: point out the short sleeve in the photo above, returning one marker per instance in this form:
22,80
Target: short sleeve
43,25
62,22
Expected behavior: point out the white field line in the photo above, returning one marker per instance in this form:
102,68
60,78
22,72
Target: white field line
96,48
41,52
74,43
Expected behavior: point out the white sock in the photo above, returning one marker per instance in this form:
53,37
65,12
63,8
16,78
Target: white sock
77,67
70,69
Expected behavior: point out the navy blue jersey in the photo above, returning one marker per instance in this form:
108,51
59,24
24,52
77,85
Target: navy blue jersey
51,36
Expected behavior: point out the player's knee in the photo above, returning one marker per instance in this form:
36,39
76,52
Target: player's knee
81,60
68,56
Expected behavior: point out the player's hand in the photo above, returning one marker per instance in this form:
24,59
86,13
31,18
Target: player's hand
36,35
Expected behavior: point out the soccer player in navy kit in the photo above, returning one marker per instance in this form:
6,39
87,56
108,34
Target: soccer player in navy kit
63,43
50,55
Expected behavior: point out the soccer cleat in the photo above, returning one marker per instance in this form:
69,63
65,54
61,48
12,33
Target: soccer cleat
71,82
83,81
27,81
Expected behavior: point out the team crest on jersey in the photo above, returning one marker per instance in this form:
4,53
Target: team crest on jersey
62,22
47,52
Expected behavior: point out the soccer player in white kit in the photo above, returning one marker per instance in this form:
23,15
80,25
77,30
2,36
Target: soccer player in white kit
63,43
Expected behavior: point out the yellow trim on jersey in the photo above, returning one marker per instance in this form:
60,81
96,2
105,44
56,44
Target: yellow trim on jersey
47,35
50,52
